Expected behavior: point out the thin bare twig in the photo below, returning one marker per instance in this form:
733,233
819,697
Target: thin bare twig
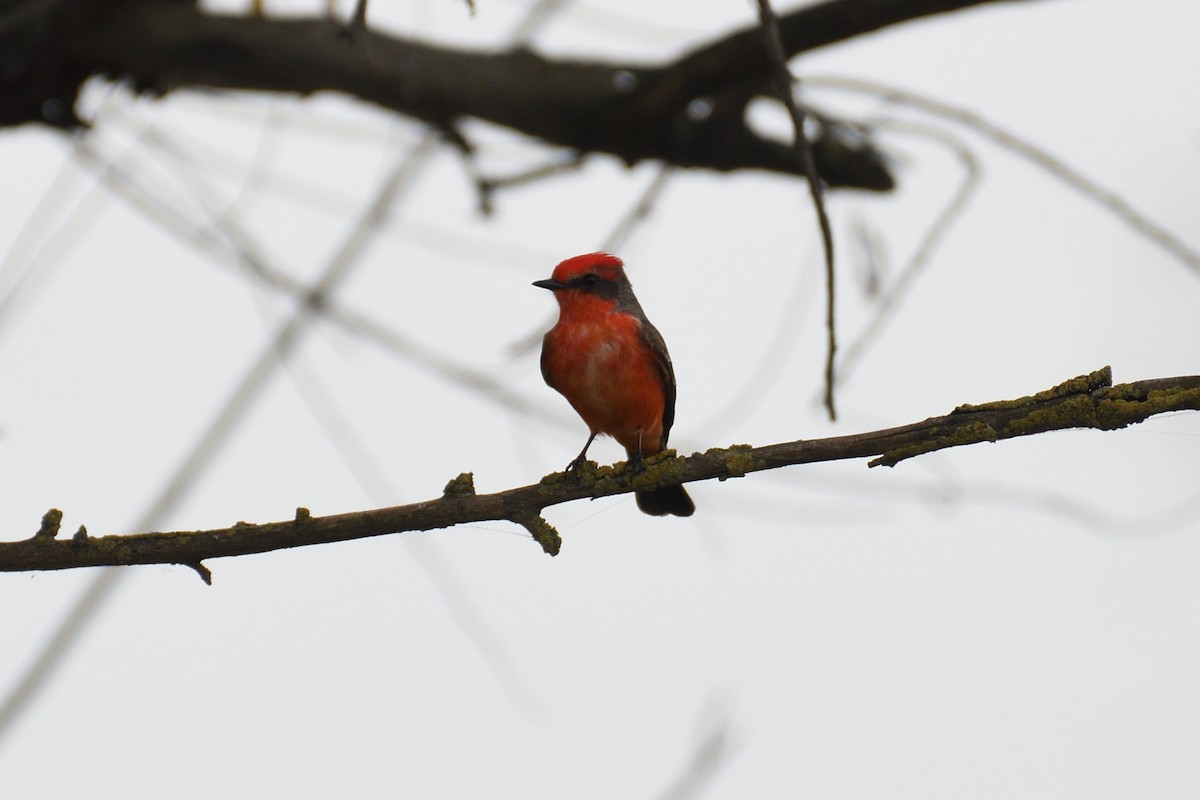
637,214
486,187
358,20
710,754
784,85
1139,222
235,246
215,436
884,312
640,211
315,302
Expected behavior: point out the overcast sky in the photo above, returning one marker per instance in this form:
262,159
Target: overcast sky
1010,620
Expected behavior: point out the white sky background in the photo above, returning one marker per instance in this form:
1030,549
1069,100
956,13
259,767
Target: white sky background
1015,620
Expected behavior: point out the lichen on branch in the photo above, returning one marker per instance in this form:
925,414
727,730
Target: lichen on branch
1089,401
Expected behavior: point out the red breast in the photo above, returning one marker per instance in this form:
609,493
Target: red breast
596,357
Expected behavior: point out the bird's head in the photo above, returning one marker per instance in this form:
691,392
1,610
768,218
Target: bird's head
599,274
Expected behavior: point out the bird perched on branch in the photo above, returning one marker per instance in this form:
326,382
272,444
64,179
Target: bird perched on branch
612,365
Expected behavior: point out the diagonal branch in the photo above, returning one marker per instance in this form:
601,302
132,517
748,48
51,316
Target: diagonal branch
1089,401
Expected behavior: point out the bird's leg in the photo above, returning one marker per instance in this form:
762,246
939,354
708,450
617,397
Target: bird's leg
636,460
579,459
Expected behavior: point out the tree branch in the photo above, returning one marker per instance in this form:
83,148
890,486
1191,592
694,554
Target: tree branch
632,111
1089,401
777,55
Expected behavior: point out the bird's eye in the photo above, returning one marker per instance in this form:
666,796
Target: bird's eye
591,279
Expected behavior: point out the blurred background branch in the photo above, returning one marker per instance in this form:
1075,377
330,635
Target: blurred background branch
687,113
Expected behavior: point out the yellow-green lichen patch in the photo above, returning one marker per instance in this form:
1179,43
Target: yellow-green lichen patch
1084,384
605,480
1173,398
589,474
112,550
659,470
1081,385
964,434
542,532
553,480
462,485
1124,391
741,463
1124,406
583,476
51,523
1074,412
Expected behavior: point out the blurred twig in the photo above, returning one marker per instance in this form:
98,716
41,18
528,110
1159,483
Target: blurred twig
1140,223
638,213
315,301
227,240
711,753
934,235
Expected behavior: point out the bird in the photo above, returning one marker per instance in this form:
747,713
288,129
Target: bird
611,364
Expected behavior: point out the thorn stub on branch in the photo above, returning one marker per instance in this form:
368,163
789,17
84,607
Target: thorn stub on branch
461,486
542,532
51,522
204,572
81,536
356,26
303,516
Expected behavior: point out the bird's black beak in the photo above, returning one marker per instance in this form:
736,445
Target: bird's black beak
550,284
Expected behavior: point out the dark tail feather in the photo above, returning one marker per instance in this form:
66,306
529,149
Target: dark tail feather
667,500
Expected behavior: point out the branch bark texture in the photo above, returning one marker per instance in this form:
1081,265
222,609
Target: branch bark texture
688,112
1089,401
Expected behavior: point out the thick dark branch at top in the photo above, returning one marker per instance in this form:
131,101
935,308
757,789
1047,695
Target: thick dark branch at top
1089,401
633,111
741,56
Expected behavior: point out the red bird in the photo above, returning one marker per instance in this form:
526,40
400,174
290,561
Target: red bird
611,364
